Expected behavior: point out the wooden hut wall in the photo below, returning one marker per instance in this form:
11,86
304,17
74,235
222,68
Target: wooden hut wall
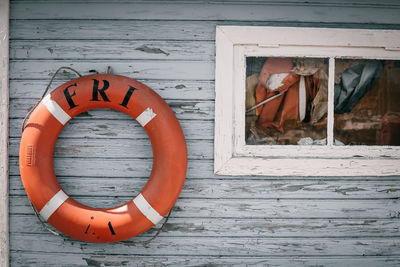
103,158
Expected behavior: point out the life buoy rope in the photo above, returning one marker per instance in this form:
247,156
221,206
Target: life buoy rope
169,158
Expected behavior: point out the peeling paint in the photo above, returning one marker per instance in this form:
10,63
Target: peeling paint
389,190
187,227
75,149
180,86
103,261
344,191
84,114
146,49
294,188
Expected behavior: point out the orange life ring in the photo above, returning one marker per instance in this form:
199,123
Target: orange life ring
169,158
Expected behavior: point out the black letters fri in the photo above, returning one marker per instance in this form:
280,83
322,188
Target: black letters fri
96,91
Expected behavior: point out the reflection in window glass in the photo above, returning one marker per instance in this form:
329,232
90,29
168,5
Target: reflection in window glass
367,102
286,101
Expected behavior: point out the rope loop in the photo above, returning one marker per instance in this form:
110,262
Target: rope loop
45,92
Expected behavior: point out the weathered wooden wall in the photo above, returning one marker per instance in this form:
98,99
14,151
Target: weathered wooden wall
103,158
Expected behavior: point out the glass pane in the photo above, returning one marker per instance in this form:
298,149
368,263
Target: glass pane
367,102
286,100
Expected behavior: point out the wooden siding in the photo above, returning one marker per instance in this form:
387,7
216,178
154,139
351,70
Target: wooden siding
103,158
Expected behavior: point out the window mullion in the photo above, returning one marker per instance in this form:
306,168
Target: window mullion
331,98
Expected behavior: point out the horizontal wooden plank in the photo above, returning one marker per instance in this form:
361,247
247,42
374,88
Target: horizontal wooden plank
304,167
167,89
112,30
136,69
49,259
267,2
212,246
112,49
116,129
184,110
251,208
229,188
204,169
145,30
23,258
116,167
273,228
240,12
115,148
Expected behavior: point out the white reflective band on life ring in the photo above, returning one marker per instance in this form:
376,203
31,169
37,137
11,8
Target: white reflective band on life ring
56,110
54,203
147,210
146,116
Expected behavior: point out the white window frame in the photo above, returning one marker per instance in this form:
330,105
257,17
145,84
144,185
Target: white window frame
231,154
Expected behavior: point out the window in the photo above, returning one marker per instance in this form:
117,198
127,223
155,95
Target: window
307,101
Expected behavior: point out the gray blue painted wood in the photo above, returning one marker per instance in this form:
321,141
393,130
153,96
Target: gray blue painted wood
103,158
